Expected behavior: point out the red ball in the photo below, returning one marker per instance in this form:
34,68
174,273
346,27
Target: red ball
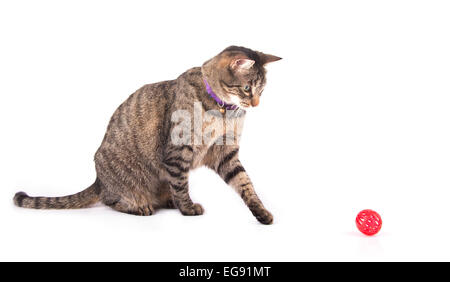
368,222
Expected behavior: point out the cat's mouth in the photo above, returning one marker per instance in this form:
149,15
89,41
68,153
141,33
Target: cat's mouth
252,103
245,105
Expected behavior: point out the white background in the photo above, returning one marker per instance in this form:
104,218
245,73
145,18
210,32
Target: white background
355,116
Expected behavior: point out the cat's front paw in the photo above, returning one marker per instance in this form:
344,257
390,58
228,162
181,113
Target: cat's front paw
196,209
264,216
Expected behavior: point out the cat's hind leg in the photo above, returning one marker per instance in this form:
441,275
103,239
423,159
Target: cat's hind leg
125,206
127,187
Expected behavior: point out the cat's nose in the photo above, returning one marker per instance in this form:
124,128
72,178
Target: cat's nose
255,101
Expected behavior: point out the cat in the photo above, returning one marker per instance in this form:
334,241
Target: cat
139,167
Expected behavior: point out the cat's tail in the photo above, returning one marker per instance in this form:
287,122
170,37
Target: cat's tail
83,199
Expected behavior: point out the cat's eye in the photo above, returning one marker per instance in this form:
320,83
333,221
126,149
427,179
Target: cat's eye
246,88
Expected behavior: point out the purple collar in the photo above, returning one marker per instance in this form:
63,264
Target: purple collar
221,103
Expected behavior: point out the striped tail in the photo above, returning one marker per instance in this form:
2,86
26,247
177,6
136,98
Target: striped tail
83,199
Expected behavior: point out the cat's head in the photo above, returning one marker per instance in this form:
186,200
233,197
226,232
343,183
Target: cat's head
237,75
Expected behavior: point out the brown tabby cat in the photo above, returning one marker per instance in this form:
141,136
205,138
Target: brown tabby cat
140,168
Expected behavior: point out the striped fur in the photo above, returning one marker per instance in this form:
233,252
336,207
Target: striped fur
139,168
83,199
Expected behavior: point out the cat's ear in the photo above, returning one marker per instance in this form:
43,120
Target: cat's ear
267,58
241,64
